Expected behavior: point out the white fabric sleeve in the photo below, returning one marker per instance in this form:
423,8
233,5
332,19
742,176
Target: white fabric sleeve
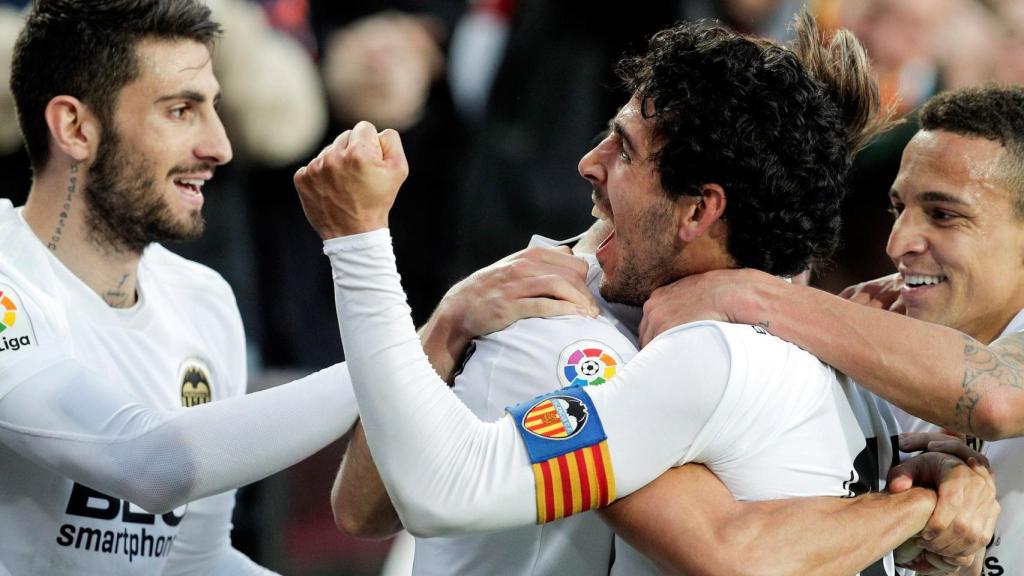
446,471
203,543
88,428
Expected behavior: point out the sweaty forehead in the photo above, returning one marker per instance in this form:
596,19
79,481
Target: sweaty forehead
637,128
170,63
949,162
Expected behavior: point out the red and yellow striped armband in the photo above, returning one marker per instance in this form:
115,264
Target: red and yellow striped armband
568,448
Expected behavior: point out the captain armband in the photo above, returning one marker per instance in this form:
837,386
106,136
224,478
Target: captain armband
568,448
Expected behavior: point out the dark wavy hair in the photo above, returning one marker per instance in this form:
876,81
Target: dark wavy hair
86,49
775,127
992,112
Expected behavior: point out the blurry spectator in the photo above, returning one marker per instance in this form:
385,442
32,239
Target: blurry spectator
10,25
381,68
274,105
901,37
766,18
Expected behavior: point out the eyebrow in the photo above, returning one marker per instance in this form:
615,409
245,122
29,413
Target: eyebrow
932,196
617,127
190,95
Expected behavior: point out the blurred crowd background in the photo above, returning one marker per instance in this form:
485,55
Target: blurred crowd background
496,101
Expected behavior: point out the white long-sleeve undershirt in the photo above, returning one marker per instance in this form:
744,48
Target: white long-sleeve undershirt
88,428
446,471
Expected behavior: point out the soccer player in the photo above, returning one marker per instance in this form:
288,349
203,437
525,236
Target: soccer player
124,427
955,357
752,406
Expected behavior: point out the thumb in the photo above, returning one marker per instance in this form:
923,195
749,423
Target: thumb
899,482
902,477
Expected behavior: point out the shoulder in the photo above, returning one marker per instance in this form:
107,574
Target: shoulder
536,355
172,271
550,336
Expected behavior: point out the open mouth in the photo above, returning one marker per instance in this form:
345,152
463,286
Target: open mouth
914,281
190,186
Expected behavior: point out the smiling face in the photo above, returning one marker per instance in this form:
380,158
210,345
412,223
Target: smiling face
166,138
957,240
638,255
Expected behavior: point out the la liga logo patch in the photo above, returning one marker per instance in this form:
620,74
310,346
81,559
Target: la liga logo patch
587,363
8,311
15,326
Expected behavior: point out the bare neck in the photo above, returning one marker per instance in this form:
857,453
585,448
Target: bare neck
57,212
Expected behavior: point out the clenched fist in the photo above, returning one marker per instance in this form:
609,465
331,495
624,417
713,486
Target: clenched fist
350,187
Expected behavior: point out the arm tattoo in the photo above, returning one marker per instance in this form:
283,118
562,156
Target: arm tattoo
986,367
62,218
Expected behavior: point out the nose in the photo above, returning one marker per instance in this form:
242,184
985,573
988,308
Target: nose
591,168
214,146
907,237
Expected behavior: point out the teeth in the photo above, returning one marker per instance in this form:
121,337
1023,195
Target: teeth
197,183
920,279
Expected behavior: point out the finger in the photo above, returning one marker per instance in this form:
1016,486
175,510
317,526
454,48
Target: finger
849,291
940,561
983,470
541,308
391,146
341,142
645,331
364,137
899,483
917,441
957,448
555,287
556,258
904,475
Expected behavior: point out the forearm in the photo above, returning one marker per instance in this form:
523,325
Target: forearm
434,456
359,500
933,372
163,459
827,535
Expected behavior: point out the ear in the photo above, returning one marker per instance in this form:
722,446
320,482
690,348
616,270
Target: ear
701,212
74,129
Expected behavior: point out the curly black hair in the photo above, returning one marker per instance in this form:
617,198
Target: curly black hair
776,128
992,112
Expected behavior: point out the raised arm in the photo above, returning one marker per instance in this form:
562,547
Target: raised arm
446,471
536,282
935,373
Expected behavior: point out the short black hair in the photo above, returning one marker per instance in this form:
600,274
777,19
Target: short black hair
993,112
86,49
775,127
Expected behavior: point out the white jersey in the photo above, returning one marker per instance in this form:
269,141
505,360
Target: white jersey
111,420
1005,554
508,367
769,419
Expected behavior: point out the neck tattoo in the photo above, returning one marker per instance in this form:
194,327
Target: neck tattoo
62,218
117,296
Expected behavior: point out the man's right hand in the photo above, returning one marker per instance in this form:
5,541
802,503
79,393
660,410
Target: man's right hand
881,293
